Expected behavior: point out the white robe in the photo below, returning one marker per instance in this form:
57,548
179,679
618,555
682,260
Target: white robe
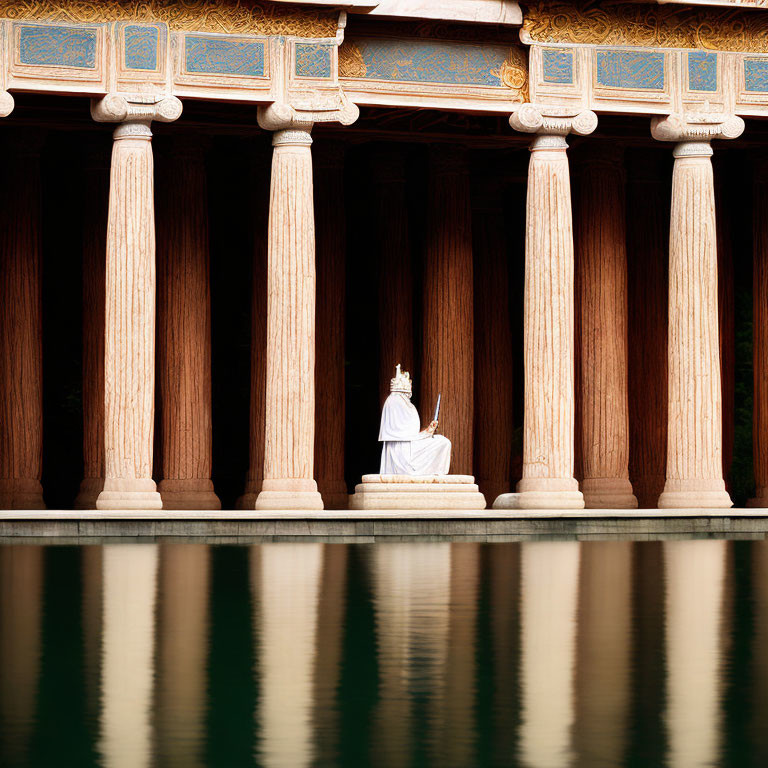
406,451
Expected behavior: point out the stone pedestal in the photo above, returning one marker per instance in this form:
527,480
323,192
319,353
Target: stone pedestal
329,367
601,263
129,349
417,492
694,438
548,427
290,360
21,341
448,346
392,240
184,338
96,200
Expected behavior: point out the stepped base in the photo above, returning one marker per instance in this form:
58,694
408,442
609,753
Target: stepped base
417,492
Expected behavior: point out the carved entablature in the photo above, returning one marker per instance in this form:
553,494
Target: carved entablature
213,49
647,59
430,72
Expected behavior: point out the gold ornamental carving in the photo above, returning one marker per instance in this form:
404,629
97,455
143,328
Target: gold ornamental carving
225,16
351,62
597,23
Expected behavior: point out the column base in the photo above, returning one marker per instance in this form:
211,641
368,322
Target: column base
540,500
291,493
335,494
695,494
90,488
21,493
188,494
129,494
543,493
760,499
248,499
608,493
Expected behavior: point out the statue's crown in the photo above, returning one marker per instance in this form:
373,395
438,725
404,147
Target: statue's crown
401,382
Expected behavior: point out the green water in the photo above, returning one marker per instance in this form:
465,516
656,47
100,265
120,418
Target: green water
541,654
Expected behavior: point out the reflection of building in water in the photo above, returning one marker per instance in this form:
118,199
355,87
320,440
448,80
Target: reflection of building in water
759,700
287,589
328,652
92,574
549,573
455,742
21,582
127,676
504,576
182,653
411,588
695,572
603,653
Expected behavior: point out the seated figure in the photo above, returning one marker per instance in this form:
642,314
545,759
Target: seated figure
406,450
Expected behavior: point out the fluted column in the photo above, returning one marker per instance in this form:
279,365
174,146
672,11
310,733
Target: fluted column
129,348
548,421
260,202
184,312
21,340
290,360
493,343
601,261
329,368
647,236
96,200
447,350
760,335
392,239
694,437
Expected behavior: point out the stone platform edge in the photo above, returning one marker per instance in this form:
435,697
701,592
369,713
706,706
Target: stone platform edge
368,526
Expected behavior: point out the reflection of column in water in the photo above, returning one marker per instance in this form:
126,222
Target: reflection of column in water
759,698
92,625
695,573
504,572
603,652
411,601
128,610
455,745
289,583
549,591
21,581
183,643
330,625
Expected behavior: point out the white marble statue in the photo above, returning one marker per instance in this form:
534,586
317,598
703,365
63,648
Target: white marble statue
406,450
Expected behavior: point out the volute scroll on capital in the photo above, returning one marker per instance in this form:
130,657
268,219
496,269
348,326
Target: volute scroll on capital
6,103
700,127
135,113
282,116
553,120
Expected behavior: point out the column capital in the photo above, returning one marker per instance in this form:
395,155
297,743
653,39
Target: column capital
135,112
696,128
282,116
553,121
6,103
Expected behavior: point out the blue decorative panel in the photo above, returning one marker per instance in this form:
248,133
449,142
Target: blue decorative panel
426,61
643,70
756,74
558,65
702,71
141,47
49,46
222,56
313,60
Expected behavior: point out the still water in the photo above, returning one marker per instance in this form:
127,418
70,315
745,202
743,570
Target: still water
540,654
